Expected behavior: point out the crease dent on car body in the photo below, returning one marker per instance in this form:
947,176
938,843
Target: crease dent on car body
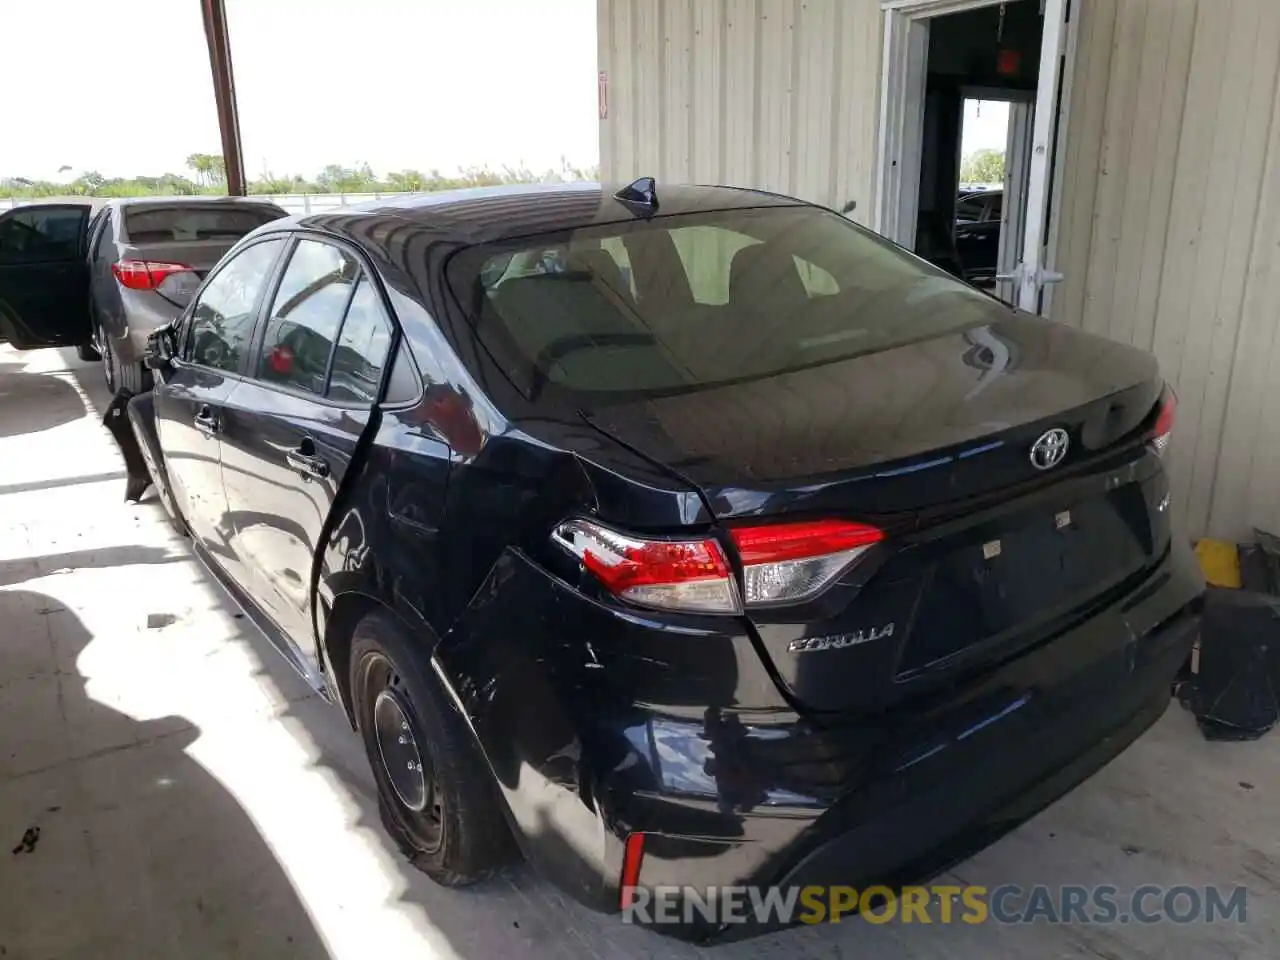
689,536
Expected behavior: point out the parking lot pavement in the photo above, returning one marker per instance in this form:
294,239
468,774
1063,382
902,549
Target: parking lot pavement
193,798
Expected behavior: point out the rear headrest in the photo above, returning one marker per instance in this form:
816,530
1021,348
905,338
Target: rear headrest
755,273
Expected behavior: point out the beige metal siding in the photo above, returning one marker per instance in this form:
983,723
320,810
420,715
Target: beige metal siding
1169,232
1170,236
775,94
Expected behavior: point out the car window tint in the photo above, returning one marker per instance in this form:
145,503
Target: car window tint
404,385
970,209
305,316
362,348
34,234
173,224
719,297
222,318
104,235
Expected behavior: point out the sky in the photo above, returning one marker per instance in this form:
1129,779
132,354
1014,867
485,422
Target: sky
393,83
986,125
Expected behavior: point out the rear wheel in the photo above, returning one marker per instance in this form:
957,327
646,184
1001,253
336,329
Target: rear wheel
86,351
133,377
435,791
108,360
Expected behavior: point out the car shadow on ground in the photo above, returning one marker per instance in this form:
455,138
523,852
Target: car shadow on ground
48,401
77,827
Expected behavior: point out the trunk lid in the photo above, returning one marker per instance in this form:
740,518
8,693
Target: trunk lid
985,552
201,255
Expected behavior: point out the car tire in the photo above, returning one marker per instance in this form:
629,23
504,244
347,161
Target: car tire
87,352
446,816
108,361
133,377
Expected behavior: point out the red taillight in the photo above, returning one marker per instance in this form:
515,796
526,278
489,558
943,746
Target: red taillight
632,857
145,274
786,562
1164,422
801,541
691,575
781,563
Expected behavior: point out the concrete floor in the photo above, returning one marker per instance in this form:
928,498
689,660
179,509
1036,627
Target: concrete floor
194,799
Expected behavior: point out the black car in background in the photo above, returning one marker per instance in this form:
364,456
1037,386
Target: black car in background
979,217
680,535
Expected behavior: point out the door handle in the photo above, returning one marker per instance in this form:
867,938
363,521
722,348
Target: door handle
206,421
306,462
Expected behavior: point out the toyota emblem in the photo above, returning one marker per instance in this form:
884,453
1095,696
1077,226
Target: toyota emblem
1050,448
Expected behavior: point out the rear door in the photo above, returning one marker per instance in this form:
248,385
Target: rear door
44,282
191,400
291,429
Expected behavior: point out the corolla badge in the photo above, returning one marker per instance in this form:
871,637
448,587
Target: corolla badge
1050,448
838,641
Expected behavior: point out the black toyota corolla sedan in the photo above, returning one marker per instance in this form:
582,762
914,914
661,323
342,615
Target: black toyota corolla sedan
677,536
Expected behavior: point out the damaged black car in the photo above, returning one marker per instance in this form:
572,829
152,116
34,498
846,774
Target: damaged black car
677,536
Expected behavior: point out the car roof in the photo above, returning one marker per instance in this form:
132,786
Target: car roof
486,214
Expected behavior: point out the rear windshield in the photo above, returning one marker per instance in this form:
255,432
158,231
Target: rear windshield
174,224
682,303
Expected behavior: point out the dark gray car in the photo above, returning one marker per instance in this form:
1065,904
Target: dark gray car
146,258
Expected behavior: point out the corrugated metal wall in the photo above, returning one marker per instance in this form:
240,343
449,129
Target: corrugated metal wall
1170,221
1170,236
747,92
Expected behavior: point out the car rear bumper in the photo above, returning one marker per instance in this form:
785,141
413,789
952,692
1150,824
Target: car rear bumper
755,794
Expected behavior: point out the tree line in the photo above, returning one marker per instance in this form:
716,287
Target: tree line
208,176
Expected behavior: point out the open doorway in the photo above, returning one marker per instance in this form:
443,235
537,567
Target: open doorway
971,98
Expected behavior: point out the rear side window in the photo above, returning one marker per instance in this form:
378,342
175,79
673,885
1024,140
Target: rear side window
173,224
35,234
683,303
362,349
305,316
223,316
102,237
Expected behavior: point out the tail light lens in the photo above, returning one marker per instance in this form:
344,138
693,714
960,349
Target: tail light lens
691,575
1164,422
781,563
146,274
786,562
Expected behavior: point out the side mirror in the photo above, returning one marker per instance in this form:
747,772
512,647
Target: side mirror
160,348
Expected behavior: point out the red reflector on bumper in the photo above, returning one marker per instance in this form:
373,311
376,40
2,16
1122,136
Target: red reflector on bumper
632,856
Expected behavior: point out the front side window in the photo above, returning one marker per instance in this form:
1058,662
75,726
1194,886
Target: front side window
305,316
38,234
686,302
223,316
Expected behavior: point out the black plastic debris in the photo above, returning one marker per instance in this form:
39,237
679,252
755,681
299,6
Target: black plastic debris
28,842
1260,563
1234,696
116,420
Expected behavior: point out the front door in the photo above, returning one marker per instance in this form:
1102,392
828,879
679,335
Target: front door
191,400
291,429
44,281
